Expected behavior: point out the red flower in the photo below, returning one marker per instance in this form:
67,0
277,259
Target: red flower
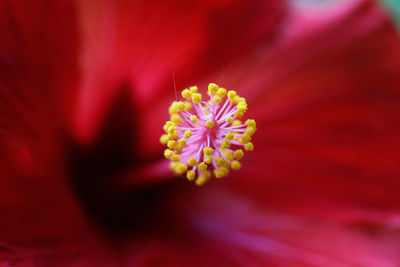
84,90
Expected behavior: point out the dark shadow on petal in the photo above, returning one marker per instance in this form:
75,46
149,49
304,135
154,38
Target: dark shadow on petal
94,169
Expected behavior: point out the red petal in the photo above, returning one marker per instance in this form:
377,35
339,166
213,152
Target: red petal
38,44
328,118
225,230
222,229
251,235
142,44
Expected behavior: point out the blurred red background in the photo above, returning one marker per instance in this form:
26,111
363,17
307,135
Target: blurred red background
84,91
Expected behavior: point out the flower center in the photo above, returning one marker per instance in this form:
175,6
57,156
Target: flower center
207,138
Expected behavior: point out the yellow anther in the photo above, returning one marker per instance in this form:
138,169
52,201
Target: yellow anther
229,136
249,147
188,105
171,128
196,98
229,119
238,154
245,139
218,173
194,89
242,107
168,153
190,175
186,94
217,99
226,164
208,159
176,118
178,148
250,131
180,168
242,100
172,166
176,158
171,144
239,114
228,154
210,124
202,167
172,135
192,162
188,133
212,88
173,108
225,169
208,151
203,178
235,99
225,144
193,118
236,123
231,94
167,125
182,141
219,161
172,132
180,106
221,92
235,165
251,123
164,139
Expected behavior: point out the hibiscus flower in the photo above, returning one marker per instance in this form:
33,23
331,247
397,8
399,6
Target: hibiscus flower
85,88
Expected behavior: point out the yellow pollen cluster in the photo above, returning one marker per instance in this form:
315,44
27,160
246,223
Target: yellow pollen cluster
206,139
